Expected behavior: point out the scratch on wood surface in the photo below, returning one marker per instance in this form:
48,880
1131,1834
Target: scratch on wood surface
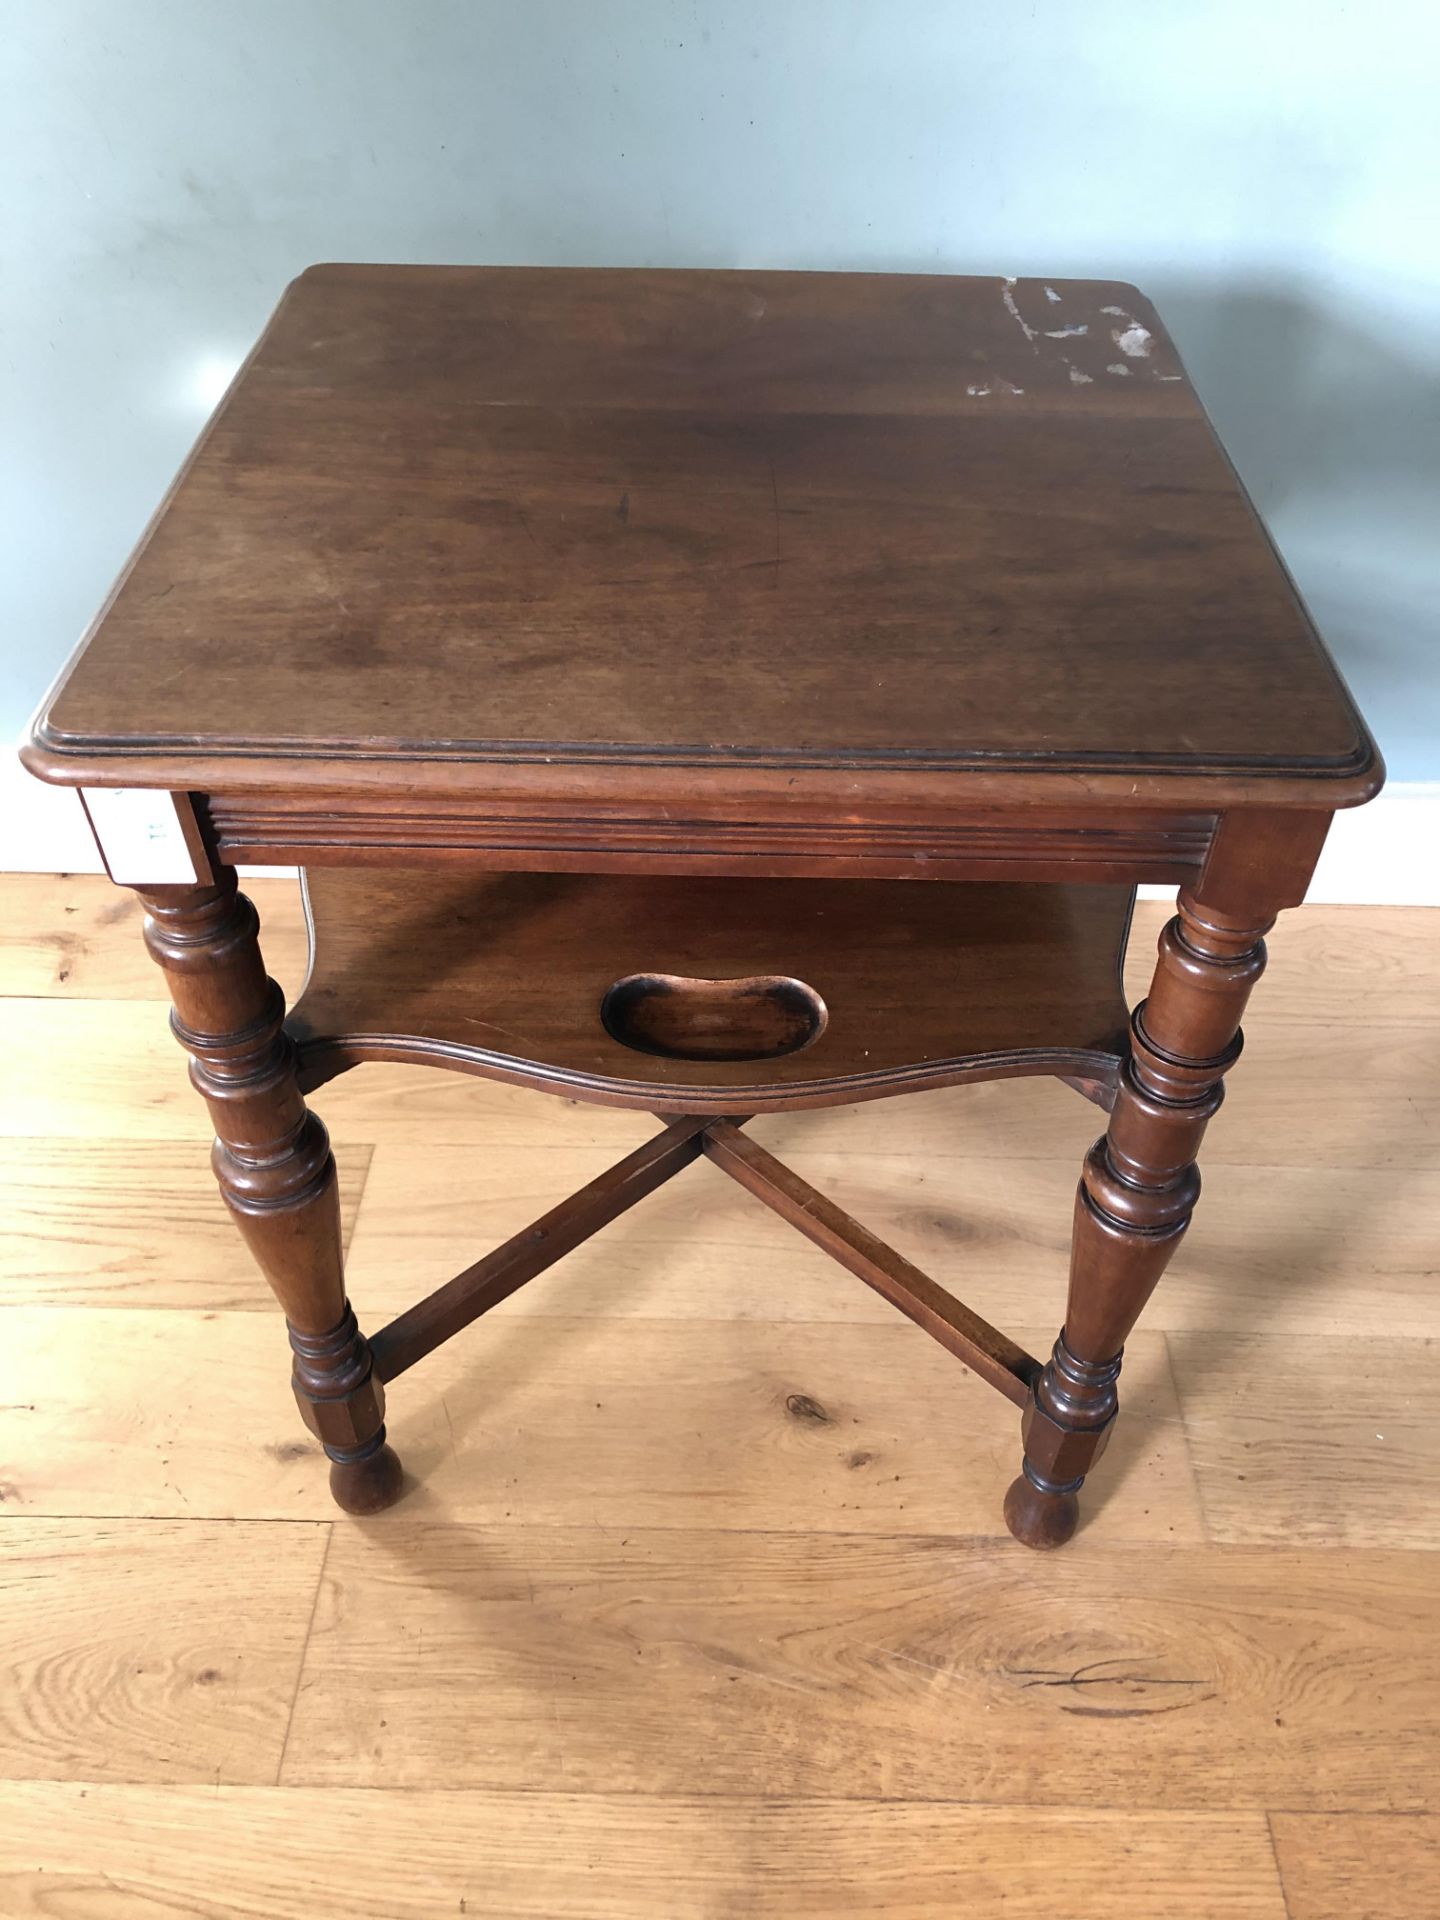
775,502
1007,294
1134,340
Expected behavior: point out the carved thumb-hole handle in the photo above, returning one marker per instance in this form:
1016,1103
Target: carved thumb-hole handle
762,1017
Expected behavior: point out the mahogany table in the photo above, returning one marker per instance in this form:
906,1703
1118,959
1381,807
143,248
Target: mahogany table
710,693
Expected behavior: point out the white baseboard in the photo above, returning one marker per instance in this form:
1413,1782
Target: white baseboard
42,829
1386,854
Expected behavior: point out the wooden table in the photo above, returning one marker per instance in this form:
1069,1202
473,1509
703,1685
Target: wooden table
711,693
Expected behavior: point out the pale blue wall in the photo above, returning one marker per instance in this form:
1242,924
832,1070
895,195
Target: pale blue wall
1269,173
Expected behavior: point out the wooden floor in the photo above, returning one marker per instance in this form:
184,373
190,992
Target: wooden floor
704,1607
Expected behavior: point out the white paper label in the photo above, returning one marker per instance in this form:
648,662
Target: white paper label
140,835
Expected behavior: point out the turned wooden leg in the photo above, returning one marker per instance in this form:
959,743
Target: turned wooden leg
273,1161
1136,1196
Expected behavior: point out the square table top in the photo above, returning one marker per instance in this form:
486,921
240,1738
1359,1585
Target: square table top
783,524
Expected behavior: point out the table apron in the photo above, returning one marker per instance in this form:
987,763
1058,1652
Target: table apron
1125,847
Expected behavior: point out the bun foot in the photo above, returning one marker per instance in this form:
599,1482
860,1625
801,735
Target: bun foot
1039,1518
370,1483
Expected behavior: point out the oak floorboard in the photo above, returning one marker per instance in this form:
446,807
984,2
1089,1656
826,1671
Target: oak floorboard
1319,1442
155,1853
798,1427
1323,959
703,1247
843,1692
96,1070
131,1223
151,1650
1274,1250
1345,1866
77,936
108,1221
855,1666
1306,1095
1313,1096
113,1220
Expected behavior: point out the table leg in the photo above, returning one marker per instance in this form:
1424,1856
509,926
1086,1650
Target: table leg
273,1161
1137,1192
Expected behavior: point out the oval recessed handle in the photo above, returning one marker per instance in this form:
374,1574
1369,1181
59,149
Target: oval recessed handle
762,1017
